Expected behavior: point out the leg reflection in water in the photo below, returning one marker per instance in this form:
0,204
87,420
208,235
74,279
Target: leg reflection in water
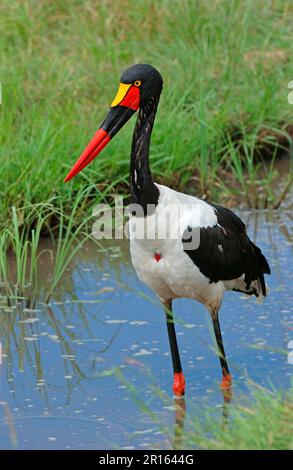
180,414
227,398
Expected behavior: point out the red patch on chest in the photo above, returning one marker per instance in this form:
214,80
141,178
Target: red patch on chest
157,256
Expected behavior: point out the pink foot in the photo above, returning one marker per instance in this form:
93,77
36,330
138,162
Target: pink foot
179,384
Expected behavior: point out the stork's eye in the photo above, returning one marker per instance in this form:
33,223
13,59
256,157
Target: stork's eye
137,83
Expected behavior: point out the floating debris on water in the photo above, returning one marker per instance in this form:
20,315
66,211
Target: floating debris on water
29,320
143,352
113,322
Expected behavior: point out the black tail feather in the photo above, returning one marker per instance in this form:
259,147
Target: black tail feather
263,267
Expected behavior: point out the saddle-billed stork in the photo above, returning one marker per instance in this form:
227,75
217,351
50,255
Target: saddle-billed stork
224,259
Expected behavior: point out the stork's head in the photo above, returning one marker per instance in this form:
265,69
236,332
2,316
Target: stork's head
138,85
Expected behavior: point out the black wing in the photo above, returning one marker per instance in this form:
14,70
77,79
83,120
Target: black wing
225,252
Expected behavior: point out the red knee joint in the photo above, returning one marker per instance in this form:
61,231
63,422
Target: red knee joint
179,384
226,382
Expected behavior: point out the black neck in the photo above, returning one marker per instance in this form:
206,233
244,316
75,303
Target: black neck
143,189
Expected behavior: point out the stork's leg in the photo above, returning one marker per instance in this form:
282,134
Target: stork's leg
227,378
179,380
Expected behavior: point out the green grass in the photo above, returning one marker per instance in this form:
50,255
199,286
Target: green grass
266,423
225,64
21,252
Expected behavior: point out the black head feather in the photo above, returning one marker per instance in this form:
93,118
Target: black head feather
151,81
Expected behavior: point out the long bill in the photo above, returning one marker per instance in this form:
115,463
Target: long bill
124,105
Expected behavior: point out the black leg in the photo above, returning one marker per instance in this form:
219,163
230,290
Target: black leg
226,382
179,381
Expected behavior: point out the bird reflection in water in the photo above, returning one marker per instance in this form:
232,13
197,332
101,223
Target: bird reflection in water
180,416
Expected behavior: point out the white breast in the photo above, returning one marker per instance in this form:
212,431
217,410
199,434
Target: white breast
174,275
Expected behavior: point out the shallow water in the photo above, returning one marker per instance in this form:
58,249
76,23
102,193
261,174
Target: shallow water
92,369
